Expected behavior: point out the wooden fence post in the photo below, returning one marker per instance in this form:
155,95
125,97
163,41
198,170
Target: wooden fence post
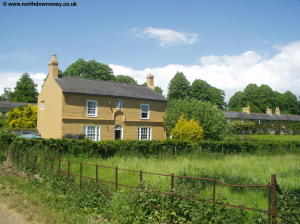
81,175
34,163
69,167
45,163
214,191
141,177
97,173
27,160
172,182
273,198
52,164
59,166
116,179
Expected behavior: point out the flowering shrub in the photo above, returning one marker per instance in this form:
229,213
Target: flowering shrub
187,130
22,117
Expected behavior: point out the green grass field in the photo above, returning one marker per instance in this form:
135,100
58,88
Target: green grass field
275,138
247,169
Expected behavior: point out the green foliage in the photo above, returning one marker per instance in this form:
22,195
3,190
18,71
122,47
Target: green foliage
261,97
265,126
25,90
158,90
22,117
187,130
201,90
243,127
211,118
89,69
125,79
107,149
178,87
289,207
2,123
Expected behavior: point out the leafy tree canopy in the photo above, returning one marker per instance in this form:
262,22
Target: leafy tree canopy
125,79
261,97
178,87
25,90
89,69
210,117
158,90
22,117
201,90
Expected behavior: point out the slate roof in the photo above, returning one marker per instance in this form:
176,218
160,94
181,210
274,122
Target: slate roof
10,105
105,88
260,116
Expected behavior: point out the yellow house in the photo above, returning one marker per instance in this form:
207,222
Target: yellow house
99,109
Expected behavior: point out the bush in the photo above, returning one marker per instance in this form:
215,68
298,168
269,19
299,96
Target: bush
187,130
243,127
210,117
107,149
22,117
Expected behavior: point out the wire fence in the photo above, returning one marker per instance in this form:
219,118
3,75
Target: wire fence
64,167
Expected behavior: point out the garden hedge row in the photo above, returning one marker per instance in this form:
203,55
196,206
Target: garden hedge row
110,148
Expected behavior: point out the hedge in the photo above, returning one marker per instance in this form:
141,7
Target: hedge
107,149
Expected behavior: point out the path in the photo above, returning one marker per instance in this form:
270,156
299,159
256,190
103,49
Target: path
9,216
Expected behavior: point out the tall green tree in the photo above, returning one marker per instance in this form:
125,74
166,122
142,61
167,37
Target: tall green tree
261,97
89,69
178,87
210,117
125,79
25,90
158,90
201,90
290,102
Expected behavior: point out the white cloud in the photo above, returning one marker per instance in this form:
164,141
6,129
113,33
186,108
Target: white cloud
167,37
9,80
228,72
232,72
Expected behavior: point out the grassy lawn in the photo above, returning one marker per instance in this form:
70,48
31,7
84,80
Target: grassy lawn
247,169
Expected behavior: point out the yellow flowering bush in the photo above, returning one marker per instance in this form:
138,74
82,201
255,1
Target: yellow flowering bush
187,130
22,117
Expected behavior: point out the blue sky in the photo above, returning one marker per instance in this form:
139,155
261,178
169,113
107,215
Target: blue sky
136,37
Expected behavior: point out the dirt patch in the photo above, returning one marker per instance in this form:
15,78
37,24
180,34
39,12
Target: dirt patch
9,216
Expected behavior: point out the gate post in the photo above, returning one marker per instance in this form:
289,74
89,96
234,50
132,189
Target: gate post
273,201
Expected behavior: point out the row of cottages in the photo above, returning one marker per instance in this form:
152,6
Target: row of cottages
100,110
6,106
269,122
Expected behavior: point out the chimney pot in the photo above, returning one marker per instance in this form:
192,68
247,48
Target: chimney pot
150,81
53,66
269,111
246,110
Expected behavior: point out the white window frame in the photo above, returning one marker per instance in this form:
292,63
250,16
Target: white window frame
148,114
42,106
87,108
119,107
97,136
149,133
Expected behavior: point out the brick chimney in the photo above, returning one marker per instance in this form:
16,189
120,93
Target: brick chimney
269,111
150,81
53,66
277,111
246,110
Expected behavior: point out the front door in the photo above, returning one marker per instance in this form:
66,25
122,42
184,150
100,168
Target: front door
118,132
